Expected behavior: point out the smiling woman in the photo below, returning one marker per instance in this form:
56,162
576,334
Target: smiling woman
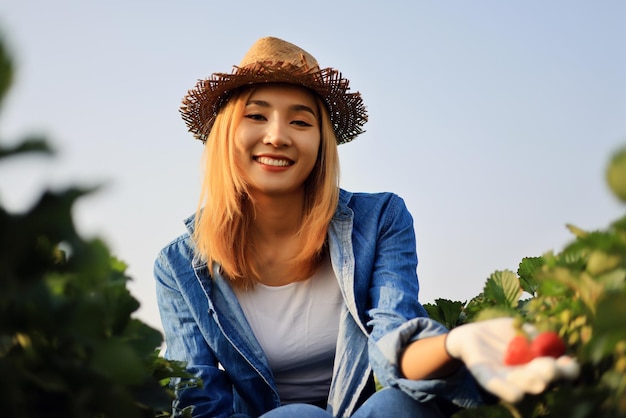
310,290
275,148
267,131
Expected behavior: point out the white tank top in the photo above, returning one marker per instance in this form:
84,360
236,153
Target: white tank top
297,326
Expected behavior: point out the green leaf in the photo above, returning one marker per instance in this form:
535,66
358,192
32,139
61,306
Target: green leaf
609,241
600,262
6,71
494,312
616,174
618,226
29,145
579,233
609,326
119,362
552,288
446,312
612,280
503,288
143,338
433,312
526,272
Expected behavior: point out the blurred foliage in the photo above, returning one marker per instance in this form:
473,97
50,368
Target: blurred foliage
580,293
69,346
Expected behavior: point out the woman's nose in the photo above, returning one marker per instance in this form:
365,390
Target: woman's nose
277,135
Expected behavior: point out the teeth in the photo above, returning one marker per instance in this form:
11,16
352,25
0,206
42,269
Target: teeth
272,161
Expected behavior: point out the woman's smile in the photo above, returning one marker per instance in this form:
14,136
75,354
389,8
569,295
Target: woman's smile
273,161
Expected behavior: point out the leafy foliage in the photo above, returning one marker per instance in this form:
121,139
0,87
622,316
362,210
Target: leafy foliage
580,293
69,346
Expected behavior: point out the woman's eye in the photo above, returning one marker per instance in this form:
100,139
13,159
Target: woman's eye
255,116
301,123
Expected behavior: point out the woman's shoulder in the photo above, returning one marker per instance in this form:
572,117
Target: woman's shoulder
379,208
369,200
181,246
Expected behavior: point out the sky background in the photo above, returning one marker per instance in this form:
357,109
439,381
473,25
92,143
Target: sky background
494,120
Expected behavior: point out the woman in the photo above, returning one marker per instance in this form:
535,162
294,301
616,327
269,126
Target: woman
289,295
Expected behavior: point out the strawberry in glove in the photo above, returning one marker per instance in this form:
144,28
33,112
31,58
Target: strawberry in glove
507,363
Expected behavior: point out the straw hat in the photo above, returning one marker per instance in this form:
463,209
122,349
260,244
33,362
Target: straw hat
272,60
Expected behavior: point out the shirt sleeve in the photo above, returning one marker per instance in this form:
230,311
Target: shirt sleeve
397,318
184,342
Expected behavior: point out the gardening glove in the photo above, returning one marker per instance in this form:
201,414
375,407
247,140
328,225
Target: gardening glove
481,346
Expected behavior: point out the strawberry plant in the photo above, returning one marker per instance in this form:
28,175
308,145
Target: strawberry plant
577,297
69,346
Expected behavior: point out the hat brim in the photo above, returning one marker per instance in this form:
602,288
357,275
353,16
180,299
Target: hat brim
347,112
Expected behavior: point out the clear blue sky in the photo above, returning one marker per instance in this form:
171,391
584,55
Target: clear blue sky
493,119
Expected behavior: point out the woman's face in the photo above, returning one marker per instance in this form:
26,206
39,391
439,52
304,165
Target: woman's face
277,140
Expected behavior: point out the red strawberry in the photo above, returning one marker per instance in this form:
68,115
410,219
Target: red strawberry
518,351
547,344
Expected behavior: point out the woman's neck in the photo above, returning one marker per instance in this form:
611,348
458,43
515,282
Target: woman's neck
277,217
276,243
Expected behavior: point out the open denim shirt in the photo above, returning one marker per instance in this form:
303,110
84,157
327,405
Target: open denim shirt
372,247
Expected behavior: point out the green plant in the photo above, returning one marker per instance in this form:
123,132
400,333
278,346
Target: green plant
69,346
580,293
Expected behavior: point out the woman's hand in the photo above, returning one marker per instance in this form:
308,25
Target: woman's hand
482,347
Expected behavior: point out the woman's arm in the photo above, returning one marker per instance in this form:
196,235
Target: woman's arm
407,348
184,342
439,364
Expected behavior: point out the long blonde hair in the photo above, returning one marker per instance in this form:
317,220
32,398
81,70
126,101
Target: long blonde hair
225,211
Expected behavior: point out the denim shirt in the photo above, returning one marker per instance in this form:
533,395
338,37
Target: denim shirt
372,248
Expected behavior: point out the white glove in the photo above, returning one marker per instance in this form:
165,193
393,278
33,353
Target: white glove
482,346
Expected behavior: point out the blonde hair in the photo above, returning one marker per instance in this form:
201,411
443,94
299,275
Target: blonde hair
226,211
